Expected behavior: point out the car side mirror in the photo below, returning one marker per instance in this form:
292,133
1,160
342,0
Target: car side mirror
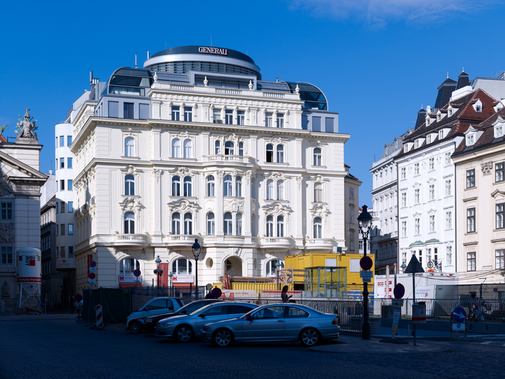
203,315
248,318
184,312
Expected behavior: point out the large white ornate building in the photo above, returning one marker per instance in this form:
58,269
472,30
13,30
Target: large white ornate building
197,145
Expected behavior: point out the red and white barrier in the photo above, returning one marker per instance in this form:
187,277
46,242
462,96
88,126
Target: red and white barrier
99,316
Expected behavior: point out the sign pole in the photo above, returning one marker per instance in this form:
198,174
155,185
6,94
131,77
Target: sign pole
414,301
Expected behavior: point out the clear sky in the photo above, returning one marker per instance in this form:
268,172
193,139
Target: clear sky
377,61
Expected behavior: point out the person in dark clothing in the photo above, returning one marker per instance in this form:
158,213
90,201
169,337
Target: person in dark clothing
284,295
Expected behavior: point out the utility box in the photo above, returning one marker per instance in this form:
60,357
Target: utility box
419,313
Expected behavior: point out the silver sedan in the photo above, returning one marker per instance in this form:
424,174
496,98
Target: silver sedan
184,328
275,322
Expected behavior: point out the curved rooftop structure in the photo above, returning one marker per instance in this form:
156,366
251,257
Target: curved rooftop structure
221,60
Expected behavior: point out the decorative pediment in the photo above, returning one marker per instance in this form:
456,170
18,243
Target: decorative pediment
417,214
130,203
432,211
275,140
183,206
182,134
318,179
498,194
129,170
183,171
416,185
432,180
276,175
130,132
233,205
277,209
320,209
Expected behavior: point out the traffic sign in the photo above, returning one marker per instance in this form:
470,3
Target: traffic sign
414,266
399,291
217,293
92,269
78,297
366,263
366,276
92,275
458,327
458,314
136,272
92,264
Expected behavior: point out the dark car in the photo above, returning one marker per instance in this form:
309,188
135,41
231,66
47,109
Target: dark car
149,323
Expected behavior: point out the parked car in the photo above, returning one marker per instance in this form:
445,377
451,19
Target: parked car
152,307
149,323
275,322
184,328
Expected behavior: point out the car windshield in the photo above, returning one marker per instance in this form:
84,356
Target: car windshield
191,308
206,306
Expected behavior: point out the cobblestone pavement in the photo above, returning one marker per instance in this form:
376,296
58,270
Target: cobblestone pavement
59,347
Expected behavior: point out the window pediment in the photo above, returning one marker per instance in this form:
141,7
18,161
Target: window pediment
183,206
277,209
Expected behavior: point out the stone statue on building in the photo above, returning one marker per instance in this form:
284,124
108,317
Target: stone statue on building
2,128
26,129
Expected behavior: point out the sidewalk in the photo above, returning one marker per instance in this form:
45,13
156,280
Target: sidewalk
38,317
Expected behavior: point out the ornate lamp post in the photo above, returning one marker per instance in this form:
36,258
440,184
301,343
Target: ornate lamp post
158,272
170,275
365,225
196,253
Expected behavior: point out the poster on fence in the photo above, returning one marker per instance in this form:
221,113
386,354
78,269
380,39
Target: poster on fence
425,293
238,294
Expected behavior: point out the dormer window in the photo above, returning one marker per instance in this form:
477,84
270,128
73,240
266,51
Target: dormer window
470,139
419,142
439,116
498,128
478,106
449,111
428,138
428,119
407,147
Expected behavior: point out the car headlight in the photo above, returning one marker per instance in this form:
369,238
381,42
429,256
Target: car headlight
165,324
206,328
149,320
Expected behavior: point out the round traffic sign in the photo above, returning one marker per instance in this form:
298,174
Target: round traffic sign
458,314
92,264
399,291
136,272
366,263
78,297
217,293
92,275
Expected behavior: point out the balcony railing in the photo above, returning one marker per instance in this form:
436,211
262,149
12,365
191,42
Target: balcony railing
229,158
319,243
131,238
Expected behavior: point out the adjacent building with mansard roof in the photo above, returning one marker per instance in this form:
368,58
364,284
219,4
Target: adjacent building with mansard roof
196,145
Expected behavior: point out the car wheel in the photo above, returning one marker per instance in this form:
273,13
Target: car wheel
183,333
135,327
309,337
222,337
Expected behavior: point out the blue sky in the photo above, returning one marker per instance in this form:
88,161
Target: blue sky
377,61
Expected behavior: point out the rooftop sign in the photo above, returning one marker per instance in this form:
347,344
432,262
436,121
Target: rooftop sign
212,50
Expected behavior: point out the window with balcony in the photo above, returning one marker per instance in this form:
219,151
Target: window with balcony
317,156
241,149
470,220
318,227
211,224
228,224
238,186
176,186
176,148
270,226
229,148
129,182
210,186
188,149
176,223
470,178
217,147
188,190
188,224
280,226
129,147
471,261
129,223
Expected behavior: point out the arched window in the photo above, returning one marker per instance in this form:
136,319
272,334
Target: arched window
229,148
187,186
271,267
210,185
280,190
270,153
211,224
228,185
270,189
270,226
280,154
238,186
238,224
217,144
280,226
241,149
182,266
318,228
176,186
176,223
176,148
129,223
129,185
228,224
317,156
188,149
188,224
128,265
129,147
318,192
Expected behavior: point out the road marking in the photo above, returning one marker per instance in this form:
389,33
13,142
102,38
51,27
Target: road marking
486,343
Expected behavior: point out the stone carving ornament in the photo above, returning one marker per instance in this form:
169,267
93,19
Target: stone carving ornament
26,128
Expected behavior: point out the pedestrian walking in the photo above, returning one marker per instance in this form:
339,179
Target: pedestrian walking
284,295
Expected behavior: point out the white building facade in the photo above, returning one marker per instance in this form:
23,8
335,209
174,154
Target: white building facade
197,146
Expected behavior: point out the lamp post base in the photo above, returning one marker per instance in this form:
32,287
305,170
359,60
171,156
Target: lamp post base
365,330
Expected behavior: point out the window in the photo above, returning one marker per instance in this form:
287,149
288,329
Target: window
404,228
270,153
129,183
129,147
268,120
500,259
448,254
188,149
238,224
417,196
182,266
62,162
70,185
241,149
240,118
176,148
128,110
228,185
6,252
403,173
318,192
271,267
448,187
318,227
62,252
416,169
280,190
317,156
432,192
470,178
69,162
238,186
211,224
218,147
216,114
499,172
432,164
70,207
270,189
143,111
280,120
448,220
280,154
404,199
113,109
447,159
188,224
62,185
351,193
228,117
70,251
417,226
229,148
176,113
62,206
316,124
128,266
69,140
470,220
432,223
470,261
176,223
176,186
270,226
70,229
280,226
187,186
500,212
129,223
329,124
188,114
210,186
228,224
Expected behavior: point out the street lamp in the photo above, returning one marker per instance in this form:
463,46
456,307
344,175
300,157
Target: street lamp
158,272
365,225
277,267
170,274
196,253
